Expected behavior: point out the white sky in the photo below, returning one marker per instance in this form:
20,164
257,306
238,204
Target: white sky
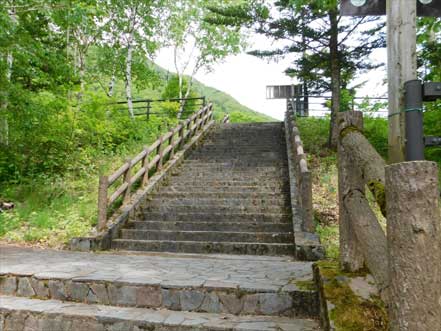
245,77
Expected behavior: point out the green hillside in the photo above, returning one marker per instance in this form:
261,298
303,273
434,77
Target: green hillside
226,104
223,102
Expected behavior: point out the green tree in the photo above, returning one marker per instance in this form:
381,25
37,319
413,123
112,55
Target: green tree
135,26
196,43
326,54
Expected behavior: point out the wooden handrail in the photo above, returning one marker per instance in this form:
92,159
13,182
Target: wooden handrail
408,255
151,158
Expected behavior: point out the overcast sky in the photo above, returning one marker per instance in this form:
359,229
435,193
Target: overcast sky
245,77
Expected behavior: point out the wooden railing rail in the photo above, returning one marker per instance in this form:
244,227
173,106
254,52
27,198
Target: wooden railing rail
303,175
409,256
136,171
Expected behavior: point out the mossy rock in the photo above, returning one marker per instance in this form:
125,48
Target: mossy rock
350,312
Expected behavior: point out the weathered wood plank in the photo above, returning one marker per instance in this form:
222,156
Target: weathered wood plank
117,193
370,237
114,177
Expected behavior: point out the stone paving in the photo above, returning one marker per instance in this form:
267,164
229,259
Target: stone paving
252,285
21,314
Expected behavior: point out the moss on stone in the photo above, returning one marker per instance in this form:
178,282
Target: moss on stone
351,312
306,285
348,130
378,191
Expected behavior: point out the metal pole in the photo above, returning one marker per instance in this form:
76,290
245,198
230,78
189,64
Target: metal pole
414,120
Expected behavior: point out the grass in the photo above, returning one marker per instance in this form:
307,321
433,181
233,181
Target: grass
51,211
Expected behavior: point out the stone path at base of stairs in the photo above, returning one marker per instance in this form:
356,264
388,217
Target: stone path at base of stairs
272,274
54,290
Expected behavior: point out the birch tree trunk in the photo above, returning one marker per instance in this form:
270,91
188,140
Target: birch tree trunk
180,81
4,124
335,79
129,79
111,85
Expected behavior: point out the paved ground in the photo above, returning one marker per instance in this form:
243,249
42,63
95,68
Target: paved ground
271,274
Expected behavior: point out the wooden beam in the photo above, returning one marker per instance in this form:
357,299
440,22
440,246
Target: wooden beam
401,67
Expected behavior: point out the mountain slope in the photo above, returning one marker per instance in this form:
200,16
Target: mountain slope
223,102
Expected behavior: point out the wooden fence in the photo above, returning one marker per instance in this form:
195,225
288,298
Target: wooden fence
226,119
302,174
406,263
137,171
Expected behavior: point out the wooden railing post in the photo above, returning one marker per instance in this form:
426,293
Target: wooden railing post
170,143
159,151
181,136
102,202
414,246
349,179
128,181
145,164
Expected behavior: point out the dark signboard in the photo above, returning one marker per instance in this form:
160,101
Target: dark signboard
283,91
280,91
378,8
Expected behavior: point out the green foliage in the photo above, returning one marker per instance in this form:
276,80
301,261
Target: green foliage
375,129
314,132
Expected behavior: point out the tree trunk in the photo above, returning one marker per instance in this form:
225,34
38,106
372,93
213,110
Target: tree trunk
180,82
186,95
112,80
4,124
82,72
335,79
112,85
129,80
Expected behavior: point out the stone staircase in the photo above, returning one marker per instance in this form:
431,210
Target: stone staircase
229,206
231,196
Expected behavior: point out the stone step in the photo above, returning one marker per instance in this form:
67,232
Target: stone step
267,196
247,150
216,217
234,175
246,141
23,314
231,168
215,208
192,164
228,182
208,236
234,202
218,225
204,189
250,176
200,247
243,144
213,157
251,285
243,154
